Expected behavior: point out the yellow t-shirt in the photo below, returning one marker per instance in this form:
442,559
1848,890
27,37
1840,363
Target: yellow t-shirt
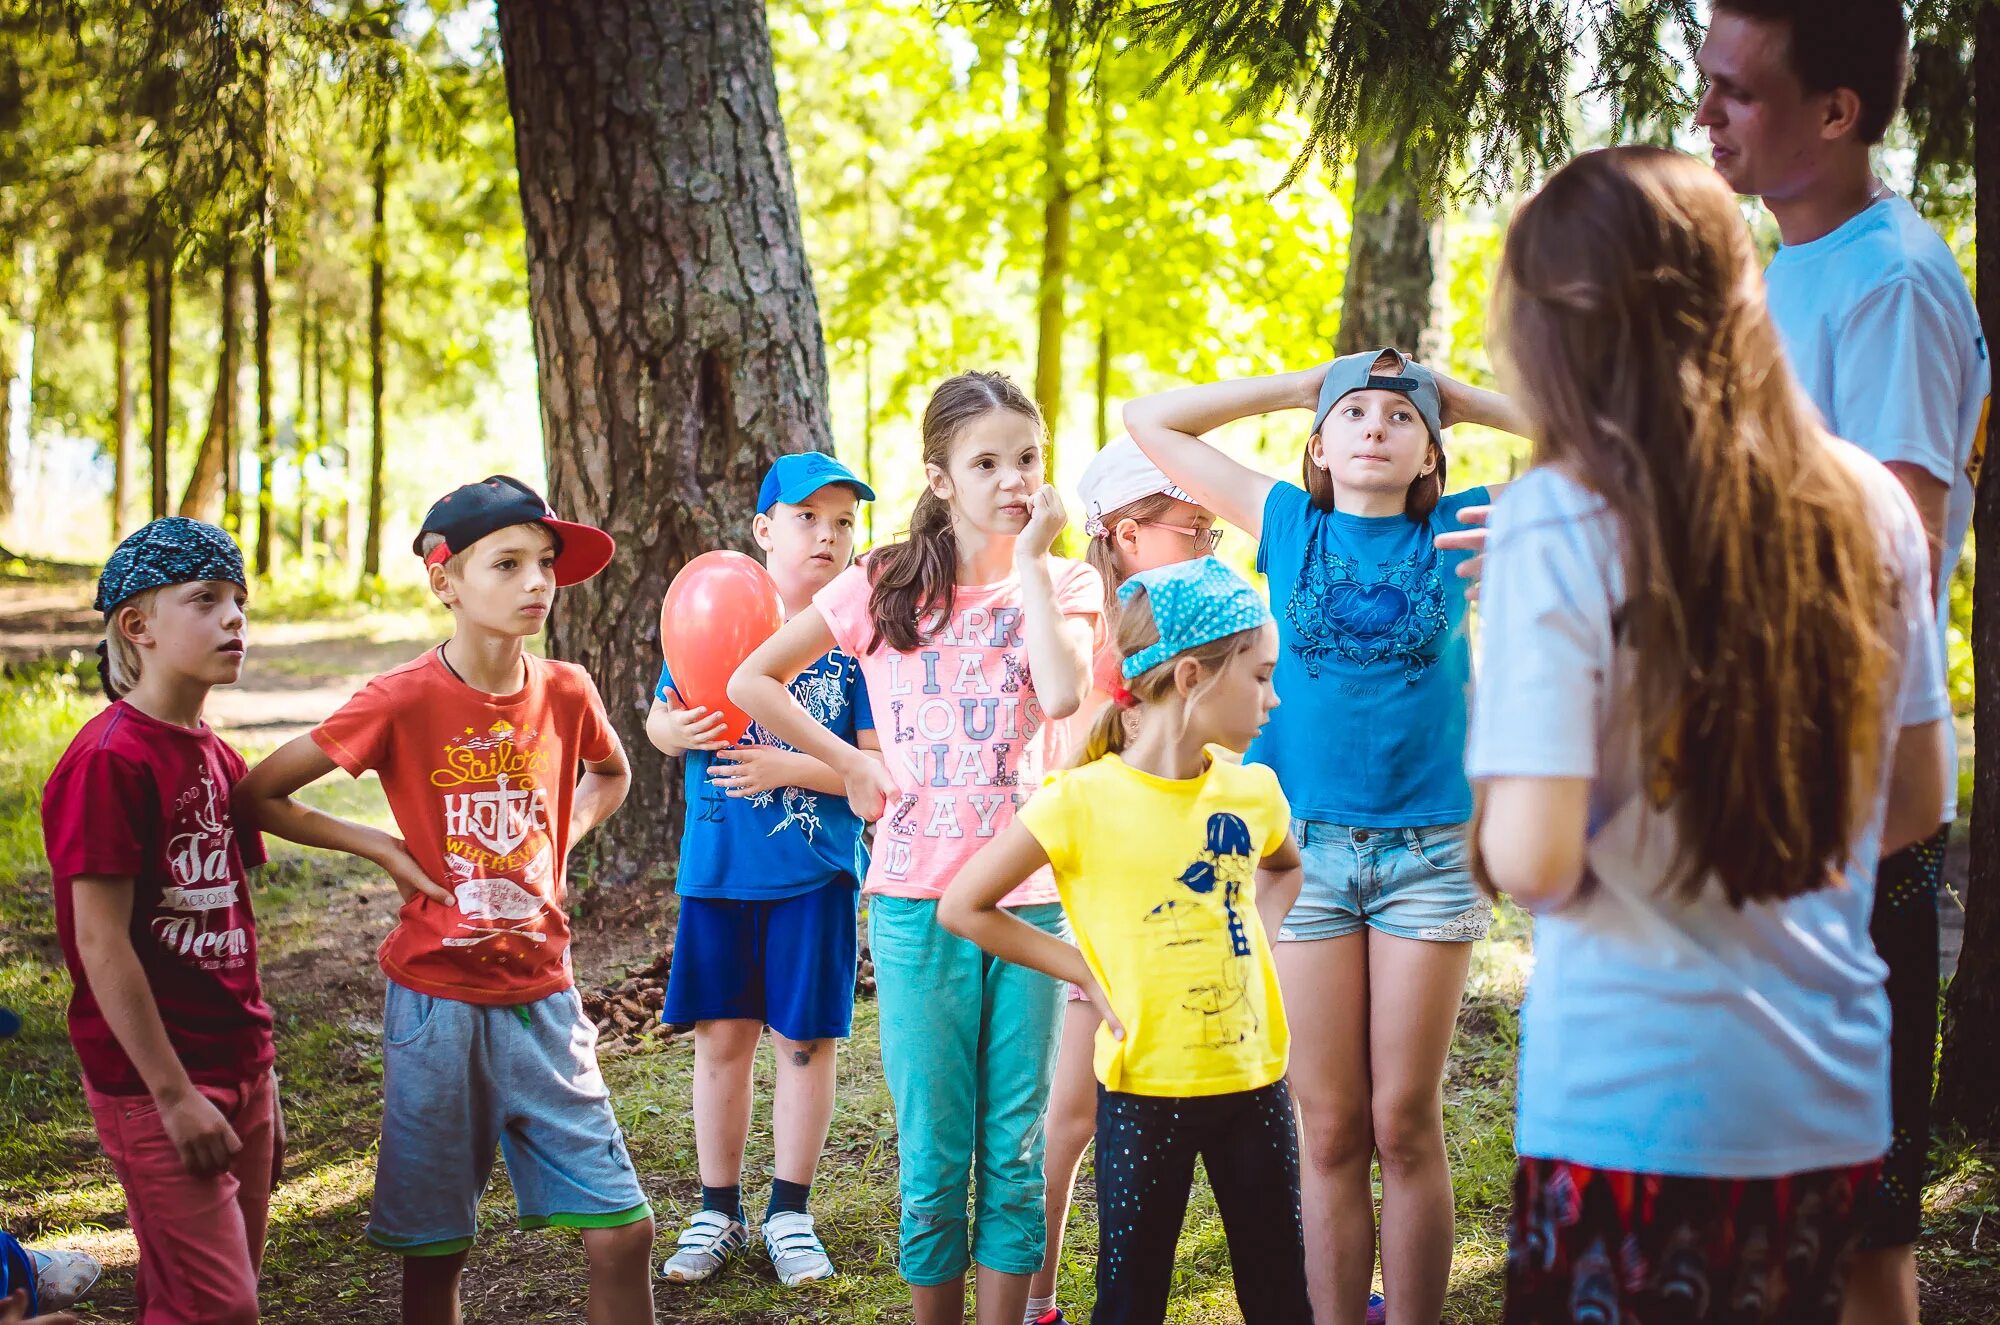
1158,876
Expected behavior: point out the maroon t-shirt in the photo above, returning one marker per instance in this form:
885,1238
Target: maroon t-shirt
137,798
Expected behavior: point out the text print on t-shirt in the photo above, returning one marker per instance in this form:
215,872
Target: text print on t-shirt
959,724
1396,617
198,858
496,825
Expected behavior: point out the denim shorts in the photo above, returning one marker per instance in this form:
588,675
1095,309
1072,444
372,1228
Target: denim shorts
460,1080
1409,883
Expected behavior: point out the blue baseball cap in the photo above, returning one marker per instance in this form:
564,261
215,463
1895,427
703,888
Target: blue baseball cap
793,478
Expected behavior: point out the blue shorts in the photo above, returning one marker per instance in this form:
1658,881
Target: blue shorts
789,964
459,1079
1409,883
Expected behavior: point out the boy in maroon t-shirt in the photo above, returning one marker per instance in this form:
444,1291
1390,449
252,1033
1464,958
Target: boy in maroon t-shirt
153,913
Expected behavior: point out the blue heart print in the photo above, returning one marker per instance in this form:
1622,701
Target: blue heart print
1399,616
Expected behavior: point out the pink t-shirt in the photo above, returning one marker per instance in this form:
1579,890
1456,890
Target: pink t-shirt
959,724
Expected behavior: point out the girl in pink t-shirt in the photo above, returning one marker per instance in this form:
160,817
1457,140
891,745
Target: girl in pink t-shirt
975,643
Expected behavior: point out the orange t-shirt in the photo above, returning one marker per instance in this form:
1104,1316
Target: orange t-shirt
480,786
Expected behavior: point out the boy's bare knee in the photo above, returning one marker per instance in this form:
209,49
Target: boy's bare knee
802,1053
610,1248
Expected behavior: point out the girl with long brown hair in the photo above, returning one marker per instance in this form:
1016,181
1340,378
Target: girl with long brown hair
974,642
1707,702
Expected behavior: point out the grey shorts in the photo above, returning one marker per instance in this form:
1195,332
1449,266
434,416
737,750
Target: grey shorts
1410,883
460,1080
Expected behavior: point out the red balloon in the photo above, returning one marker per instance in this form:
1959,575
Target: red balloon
717,611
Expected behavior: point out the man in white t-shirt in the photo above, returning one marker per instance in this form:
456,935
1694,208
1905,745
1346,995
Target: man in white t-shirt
1883,335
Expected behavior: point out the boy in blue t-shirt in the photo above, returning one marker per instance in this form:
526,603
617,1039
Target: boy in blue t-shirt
771,860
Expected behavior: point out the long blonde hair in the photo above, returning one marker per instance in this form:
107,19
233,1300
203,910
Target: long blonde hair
1136,632
1632,312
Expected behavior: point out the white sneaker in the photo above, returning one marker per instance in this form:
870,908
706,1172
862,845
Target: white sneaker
796,1253
703,1247
62,1277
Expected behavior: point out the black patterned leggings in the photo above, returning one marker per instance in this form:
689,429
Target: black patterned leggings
1146,1148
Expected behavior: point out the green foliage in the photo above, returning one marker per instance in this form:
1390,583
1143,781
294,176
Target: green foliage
40,709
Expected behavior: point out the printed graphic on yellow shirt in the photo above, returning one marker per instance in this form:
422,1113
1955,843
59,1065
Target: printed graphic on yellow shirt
496,824
1226,1013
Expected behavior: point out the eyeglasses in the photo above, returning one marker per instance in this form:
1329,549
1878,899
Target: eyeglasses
1209,538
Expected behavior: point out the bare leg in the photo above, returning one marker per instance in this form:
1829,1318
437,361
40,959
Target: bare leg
1881,1288
1414,992
1072,1122
430,1289
941,1304
1330,1080
621,1281
1001,1299
724,1054
802,1111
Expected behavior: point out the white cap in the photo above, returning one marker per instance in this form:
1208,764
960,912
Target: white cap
1117,476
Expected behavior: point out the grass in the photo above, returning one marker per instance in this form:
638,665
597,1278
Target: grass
320,918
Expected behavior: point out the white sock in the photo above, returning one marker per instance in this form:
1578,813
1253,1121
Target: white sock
1037,1308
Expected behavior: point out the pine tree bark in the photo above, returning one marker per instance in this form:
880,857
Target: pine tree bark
160,364
204,487
260,293
676,329
232,359
302,440
1050,291
378,260
121,411
1387,297
1968,1091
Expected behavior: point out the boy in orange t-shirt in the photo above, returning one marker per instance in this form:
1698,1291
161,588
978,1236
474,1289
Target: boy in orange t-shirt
485,1041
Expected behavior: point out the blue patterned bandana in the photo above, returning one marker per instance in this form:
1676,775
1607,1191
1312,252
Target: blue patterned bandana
1193,602
172,550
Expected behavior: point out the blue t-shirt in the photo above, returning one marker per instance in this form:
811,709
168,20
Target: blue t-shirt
1663,1033
781,843
1881,331
1373,664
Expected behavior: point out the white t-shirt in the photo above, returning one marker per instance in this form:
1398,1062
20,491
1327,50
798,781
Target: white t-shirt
1662,1035
1883,335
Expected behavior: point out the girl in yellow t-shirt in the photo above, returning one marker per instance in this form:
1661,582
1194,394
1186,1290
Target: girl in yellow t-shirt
1175,867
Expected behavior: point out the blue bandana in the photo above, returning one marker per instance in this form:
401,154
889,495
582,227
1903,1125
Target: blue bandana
1193,602
172,550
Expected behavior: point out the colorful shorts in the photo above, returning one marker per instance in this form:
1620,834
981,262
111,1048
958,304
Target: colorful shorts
1598,1247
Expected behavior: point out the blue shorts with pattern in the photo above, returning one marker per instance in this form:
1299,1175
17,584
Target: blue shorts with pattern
1409,883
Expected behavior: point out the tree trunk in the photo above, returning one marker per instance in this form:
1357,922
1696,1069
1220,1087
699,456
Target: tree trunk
378,261
232,360
121,413
205,484
302,442
1056,193
676,330
6,419
1103,380
319,429
1968,1091
160,363
1387,299
345,376
267,436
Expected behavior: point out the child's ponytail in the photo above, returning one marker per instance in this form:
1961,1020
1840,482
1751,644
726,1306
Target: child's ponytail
912,581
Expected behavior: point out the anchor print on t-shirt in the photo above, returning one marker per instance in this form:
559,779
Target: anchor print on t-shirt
1216,915
962,713
496,833
1398,617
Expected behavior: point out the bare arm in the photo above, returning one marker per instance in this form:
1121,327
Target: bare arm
1917,786
265,796
1932,497
1280,875
600,791
970,908
200,1133
1459,403
748,770
1168,429
1533,837
675,728
759,688
1058,646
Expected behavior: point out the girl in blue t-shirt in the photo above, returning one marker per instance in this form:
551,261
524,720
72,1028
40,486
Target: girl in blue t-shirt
1369,746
